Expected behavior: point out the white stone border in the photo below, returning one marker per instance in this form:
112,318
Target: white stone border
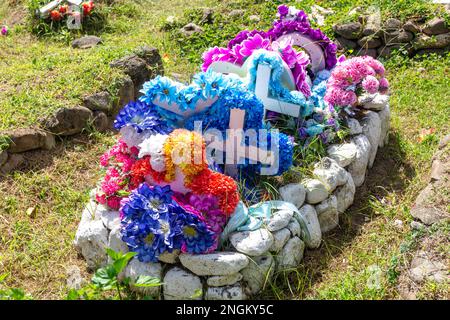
253,257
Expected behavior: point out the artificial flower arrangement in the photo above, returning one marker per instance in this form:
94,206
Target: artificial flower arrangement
59,10
4,31
170,195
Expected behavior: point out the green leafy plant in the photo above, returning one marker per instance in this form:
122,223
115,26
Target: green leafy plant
106,282
12,293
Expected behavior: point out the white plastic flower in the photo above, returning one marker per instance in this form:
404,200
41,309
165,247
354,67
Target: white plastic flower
153,147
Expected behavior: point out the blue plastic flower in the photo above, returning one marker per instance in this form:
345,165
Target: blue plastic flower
211,83
142,117
197,237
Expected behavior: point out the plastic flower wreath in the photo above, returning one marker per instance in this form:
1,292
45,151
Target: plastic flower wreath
153,222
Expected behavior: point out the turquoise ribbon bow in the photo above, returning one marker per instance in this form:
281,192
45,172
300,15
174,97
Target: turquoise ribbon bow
253,217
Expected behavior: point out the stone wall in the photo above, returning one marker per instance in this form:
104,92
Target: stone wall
369,36
252,258
98,110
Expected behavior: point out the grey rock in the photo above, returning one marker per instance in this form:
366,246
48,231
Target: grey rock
74,279
136,68
370,42
327,213
110,218
280,238
182,285
372,130
392,24
316,191
115,242
214,264
169,257
330,173
254,18
68,121
417,225
345,194
313,235
294,193
375,101
152,58
190,29
101,122
354,126
423,269
439,41
258,272
208,16
359,166
435,26
291,255
25,139
236,13
428,215
343,154
437,170
228,280
385,118
343,43
279,220
396,37
86,42
411,26
235,292
100,101
252,243
373,24
49,141
295,228
14,161
91,212
126,93
136,269
91,239
350,31
442,143
3,157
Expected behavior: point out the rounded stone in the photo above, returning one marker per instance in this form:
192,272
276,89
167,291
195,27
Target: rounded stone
372,130
385,118
91,240
291,255
354,126
345,195
110,218
294,228
235,292
328,215
280,238
252,243
219,281
115,241
258,272
330,173
359,166
308,214
214,264
279,220
315,191
294,193
343,154
136,268
182,285
169,257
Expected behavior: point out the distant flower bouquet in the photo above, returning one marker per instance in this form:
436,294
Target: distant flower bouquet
4,30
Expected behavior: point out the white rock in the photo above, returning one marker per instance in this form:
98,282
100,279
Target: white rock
258,272
385,118
345,194
110,218
294,193
171,257
91,240
228,280
135,268
115,241
358,167
280,238
309,215
291,255
252,243
279,220
225,293
315,191
328,215
74,279
372,130
92,194
182,285
214,264
90,212
354,126
294,228
330,173
423,268
375,101
343,154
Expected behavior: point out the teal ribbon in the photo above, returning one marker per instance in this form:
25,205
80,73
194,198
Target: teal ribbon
253,217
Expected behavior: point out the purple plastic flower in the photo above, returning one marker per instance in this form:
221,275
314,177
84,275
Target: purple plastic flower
283,10
254,43
4,31
371,84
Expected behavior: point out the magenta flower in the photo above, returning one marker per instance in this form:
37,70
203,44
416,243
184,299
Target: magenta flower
254,43
217,54
283,10
384,83
4,31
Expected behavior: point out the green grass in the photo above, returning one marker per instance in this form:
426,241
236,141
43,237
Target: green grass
38,75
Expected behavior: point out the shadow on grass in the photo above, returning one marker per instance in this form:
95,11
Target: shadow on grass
391,173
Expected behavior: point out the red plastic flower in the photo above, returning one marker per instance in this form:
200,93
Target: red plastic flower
55,15
63,9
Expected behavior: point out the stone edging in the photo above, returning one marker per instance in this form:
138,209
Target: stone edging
253,257
98,111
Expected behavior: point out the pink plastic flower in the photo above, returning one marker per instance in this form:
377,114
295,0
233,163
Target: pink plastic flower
4,31
371,84
254,43
384,83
